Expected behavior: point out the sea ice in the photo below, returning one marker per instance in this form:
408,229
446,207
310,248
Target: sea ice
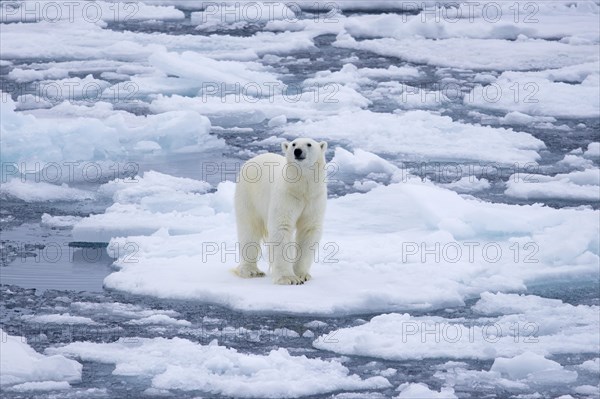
181,364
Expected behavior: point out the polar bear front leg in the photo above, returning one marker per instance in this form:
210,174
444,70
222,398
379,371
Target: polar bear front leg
249,235
306,239
282,268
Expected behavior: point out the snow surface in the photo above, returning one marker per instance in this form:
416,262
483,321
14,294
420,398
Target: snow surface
181,364
21,364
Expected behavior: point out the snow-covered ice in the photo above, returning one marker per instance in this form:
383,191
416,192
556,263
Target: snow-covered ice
473,246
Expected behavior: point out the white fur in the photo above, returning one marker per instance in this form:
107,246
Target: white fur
281,201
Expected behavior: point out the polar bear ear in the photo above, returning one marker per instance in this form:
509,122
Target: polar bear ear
323,145
284,146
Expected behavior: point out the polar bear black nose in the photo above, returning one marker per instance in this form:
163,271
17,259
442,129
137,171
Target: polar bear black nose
297,152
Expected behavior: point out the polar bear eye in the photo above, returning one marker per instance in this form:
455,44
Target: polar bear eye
293,144
309,144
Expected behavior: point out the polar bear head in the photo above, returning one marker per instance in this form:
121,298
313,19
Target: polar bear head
306,152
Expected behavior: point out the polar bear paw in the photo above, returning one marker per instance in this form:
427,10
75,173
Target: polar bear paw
289,280
304,277
248,272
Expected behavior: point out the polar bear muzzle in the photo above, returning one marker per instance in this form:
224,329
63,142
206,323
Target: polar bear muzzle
298,154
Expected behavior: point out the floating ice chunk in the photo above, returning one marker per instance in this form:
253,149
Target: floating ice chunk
41,386
593,151
64,318
525,372
575,162
519,118
528,324
151,183
473,21
308,334
160,202
107,11
411,134
184,365
316,324
30,191
116,309
191,73
534,95
591,390
160,319
82,40
467,53
577,185
21,364
468,184
361,163
230,111
21,75
593,366
500,303
534,368
409,97
72,89
361,169
30,101
355,77
193,237
239,15
82,133
421,391
277,121
366,5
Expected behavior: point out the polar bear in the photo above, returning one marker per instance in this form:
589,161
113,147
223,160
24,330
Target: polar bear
281,201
